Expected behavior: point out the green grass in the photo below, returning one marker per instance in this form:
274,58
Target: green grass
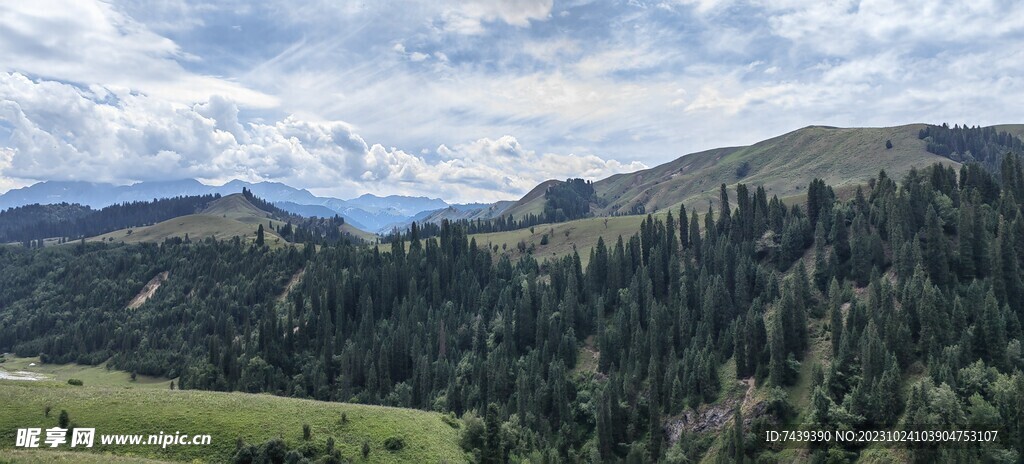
784,165
37,456
230,216
563,237
98,376
225,416
532,202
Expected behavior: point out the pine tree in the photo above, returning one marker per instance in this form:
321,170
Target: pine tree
840,244
259,236
934,249
684,237
492,453
695,239
835,316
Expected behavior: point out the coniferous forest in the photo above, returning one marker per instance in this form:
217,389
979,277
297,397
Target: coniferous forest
902,302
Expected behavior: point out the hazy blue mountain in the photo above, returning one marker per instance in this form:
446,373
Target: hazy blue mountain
456,212
402,205
367,212
317,211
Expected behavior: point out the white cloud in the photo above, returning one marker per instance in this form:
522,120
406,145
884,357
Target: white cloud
845,26
468,16
62,132
91,42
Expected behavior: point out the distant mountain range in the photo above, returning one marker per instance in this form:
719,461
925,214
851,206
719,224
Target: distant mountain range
367,212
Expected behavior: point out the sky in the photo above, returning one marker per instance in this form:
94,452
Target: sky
472,100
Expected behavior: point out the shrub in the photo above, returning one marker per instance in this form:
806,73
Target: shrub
366,449
64,419
473,435
75,382
451,421
306,432
46,410
344,418
742,170
394,443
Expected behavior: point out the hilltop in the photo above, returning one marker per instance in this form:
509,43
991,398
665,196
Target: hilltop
227,217
785,165
367,212
223,219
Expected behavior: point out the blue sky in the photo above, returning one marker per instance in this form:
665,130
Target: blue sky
472,100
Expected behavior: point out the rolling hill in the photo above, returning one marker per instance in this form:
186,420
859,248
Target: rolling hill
532,202
226,417
785,165
225,218
367,212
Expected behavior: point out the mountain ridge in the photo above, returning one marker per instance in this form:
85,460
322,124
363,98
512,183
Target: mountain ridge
368,212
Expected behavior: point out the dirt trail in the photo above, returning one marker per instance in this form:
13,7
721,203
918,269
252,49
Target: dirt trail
148,291
291,284
711,417
749,382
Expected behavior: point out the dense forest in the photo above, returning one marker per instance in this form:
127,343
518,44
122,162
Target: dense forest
564,201
72,221
568,200
298,229
902,302
983,145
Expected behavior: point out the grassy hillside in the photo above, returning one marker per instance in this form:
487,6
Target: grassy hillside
37,456
230,216
532,202
563,237
785,165
1014,129
224,416
358,233
98,376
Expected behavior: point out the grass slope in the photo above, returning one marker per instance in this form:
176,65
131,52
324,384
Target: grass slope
563,237
38,456
225,416
784,165
230,216
360,234
98,375
532,202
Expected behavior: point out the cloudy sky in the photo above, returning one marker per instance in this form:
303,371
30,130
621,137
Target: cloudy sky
473,100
